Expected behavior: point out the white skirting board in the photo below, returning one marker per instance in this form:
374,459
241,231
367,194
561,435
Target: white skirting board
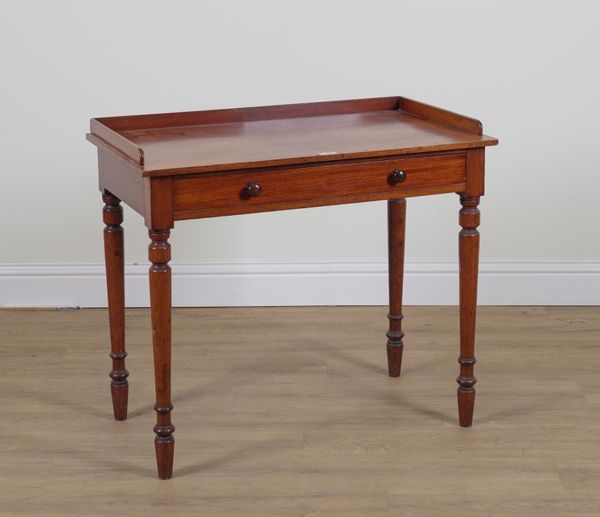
303,283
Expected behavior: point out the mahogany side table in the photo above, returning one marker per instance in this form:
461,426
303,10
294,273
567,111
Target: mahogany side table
175,166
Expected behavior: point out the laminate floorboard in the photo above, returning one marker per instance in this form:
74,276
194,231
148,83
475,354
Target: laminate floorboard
290,412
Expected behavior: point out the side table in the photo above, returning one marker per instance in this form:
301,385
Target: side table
190,165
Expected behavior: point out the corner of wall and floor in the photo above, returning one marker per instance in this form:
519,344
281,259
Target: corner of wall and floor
304,283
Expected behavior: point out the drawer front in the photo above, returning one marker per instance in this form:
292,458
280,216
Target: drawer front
206,195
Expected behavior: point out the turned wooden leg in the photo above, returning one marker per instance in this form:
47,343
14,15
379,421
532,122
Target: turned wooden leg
159,252
469,265
115,282
396,232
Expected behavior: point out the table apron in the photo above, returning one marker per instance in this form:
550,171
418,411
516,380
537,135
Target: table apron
210,195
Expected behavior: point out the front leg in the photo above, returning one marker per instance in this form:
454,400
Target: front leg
468,271
159,252
112,215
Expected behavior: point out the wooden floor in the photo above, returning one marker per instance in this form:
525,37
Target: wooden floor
289,411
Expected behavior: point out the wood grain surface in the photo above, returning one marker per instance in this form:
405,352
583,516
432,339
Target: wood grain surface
207,195
273,421
241,138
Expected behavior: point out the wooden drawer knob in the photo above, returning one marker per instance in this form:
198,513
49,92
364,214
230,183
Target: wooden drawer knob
252,189
397,176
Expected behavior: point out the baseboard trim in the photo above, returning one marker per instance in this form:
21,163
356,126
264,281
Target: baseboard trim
304,283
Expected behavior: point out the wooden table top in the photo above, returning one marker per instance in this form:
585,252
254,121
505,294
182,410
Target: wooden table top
241,138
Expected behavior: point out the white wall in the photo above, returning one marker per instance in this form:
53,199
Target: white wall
528,70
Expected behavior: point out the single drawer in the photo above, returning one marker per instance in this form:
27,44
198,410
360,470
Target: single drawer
227,193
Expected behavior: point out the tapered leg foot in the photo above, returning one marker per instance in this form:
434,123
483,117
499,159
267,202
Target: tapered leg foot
115,282
466,405
396,232
394,356
164,457
120,396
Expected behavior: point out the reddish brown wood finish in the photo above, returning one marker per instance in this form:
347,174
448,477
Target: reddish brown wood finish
396,233
207,195
178,166
119,175
115,282
469,258
159,253
468,272
441,116
246,138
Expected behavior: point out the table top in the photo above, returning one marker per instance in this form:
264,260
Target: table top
242,138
